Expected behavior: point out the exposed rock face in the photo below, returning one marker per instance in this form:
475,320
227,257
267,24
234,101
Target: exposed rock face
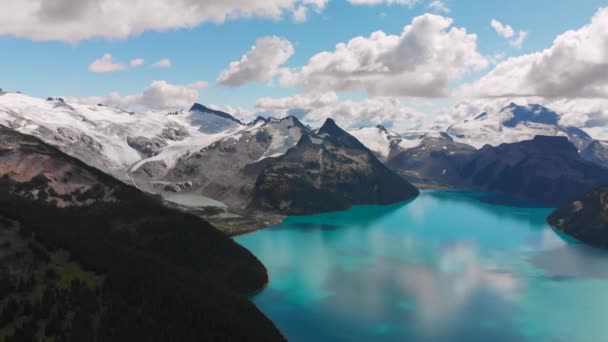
197,107
36,171
213,121
546,169
435,162
383,142
327,171
596,152
585,218
148,147
223,170
145,146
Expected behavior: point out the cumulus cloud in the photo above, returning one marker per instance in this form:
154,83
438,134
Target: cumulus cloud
575,66
421,62
439,6
163,63
506,31
69,20
159,95
300,103
107,63
260,64
315,108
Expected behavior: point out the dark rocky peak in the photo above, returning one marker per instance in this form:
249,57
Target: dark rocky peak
197,107
260,119
339,136
531,113
330,127
305,140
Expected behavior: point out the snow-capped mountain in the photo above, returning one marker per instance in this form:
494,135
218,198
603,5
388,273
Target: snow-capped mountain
202,149
327,170
114,140
225,170
383,142
515,123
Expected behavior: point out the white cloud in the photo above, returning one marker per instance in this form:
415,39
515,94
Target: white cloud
496,58
506,31
389,2
385,111
519,41
439,6
575,66
301,102
260,64
69,20
315,108
136,62
421,62
159,95
107,63
163,63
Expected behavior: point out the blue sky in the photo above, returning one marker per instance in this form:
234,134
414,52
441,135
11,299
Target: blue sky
44,68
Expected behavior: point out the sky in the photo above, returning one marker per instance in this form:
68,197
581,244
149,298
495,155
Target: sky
406,64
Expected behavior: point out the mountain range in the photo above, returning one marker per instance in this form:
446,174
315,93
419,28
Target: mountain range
281,166
86,186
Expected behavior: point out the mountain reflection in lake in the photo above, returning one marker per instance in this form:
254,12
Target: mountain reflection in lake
447,266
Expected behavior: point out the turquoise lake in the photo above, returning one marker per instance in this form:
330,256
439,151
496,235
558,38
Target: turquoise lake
448,266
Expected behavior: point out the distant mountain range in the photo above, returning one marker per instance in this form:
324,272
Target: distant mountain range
208,152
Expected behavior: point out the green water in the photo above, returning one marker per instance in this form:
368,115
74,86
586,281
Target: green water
449,266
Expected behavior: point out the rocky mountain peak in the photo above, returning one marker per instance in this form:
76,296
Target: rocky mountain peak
197,107
532,113
330,127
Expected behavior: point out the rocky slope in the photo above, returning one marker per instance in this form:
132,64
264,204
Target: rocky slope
596,152
227,169
585,218
548,170
383,142
327,171
188,277
435,162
